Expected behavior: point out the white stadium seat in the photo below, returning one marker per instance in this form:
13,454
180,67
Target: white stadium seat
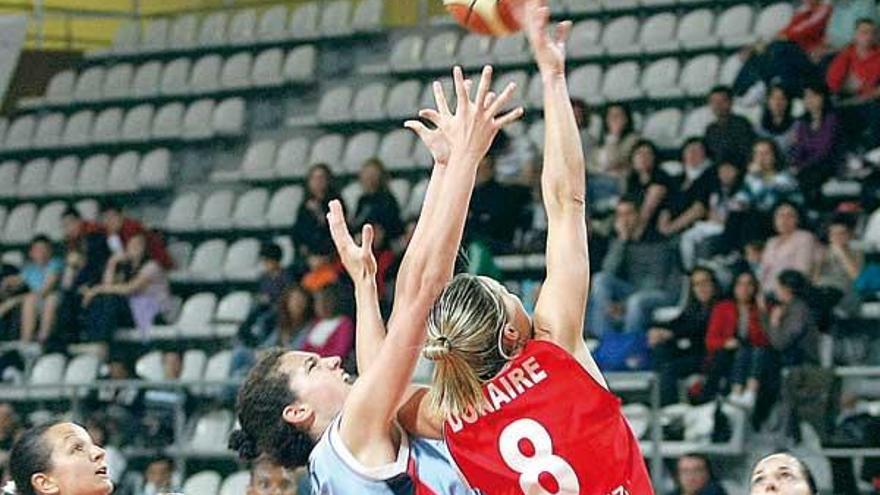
250,209
168,121
209,435
193,366
283,206
8,178
60,88
406,54
127,37
351,194
89,84
78,129
474,51
197,120
155,169
236,73
217,210
730,69
217,368
183,212
93,174
291,161
621,82
358,149
243,27
660,79
586,39
62,179
619,36
48,221
20,132
175,77
403,100
369,103
205,76
695,30
396,149
368,15
734,24
123,173
149,367
229,117
236,483
266,70
327,149
183,31
336,18
82,370
33,178
204,483
300,64
242,260
511,49
146,80
108,125
400,188
19,226
662,127
696,122
440,50
212,32
48,370
658,33
155,35
259,160
48,131
304,21
206,264
699,75
234,307
272,25
586,83
138,124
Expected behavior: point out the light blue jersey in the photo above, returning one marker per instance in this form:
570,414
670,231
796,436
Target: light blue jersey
423,467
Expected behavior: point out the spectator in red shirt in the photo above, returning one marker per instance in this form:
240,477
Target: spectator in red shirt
807,26
120,229
855,74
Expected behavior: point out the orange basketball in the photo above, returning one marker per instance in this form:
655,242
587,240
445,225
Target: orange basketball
491,17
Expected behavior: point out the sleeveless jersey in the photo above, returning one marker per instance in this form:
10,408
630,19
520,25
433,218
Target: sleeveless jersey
548,428
422,467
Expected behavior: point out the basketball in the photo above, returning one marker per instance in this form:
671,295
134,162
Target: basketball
489,17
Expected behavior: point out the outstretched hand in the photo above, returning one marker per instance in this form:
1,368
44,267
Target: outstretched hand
358,260
473,127
549,52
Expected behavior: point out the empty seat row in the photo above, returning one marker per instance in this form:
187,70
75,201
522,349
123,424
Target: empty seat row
221,210
54,376
210,482
26,220
92,176
202,119
215,261
244,27
621,36
183,76
201,316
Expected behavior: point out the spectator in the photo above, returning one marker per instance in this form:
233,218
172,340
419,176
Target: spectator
10,428
609,161
844,22
791,249
807,27
134,292
814,155
274,281
694,476
120,229
161,404
782,473
737,344
40,275
269,478
777,122
122,406
688,203
310,233
792,330
11,296
333,332
854,74
377,206
589,124
721,201
647,187
160,478
513,154
838,268
730,136
639,274
678,348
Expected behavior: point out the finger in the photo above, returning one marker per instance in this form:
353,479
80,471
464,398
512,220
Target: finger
503,99
485,85
440,99
509,117
461,93
431,115
468,85
367,238
419,128
563,29
338,228
490,98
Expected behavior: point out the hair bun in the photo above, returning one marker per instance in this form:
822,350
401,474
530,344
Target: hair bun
438,349
244,444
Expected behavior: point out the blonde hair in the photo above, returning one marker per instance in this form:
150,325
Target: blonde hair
464,339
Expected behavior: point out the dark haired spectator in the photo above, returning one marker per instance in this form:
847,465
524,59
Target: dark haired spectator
688,202
730,136
11,295
310,233
332,333
777,121
854,76
678,347
792,248
844,22
792,330
134,292
647,187
159,478
274,281
737,344
270,478
694,476
377,206
701,238
608,162
120,229
837,269
10,428
40,275
813,157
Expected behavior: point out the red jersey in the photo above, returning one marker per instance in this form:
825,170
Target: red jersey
548,428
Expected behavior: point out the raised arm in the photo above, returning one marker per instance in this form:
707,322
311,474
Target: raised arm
559,311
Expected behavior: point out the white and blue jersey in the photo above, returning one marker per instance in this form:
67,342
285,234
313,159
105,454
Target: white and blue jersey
423,467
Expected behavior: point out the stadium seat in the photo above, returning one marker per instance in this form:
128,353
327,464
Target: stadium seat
209,435
48,221
155,169
585,83
207,263
20,132
242,262
403,100
183,31
422,157
474,51
336,18
8,178
19,225
183,212
60,88
358,149
175,77
351,194
660,79
235,483
416,199
124,173
205,77
406,54
369,103
621,82
243,27
48,131
304,21
662,127
511,49
146,80
217,369
259,160
658,33
367,16
730,69
212,31
440,50
614,5
400,188
734,24
521,79
89,84
217,210
62,179
193,366
580,7
197,120
396,149
266,70
180,252
138,123
427,99
127,37
236,73
78,129
287,250
272,25
82,370
48,370
585,39
229,117
232,310
250,209
699,75
108,125
33,178
619,36
767,25
327,149
93,175
695,30
696,122
87,208
168,121
291,161
155,37
300,64
536,134
149,367
283,207
204,483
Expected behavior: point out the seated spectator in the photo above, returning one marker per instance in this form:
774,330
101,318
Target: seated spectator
639,275
792,331
837,269
162,404
332,333
730,136
844,22
513,154
737,344
588,123
11,296
688,203
40,275
120,229
678,348
694,476
160,478
377,206
791,249
814,156
854,76
274,281
777,122
122,406
721,201
269,478
10,428
134,292
310,232
647,187
608,162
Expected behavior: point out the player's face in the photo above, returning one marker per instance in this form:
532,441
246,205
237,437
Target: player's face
321,383
271,479
78,465
779,474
